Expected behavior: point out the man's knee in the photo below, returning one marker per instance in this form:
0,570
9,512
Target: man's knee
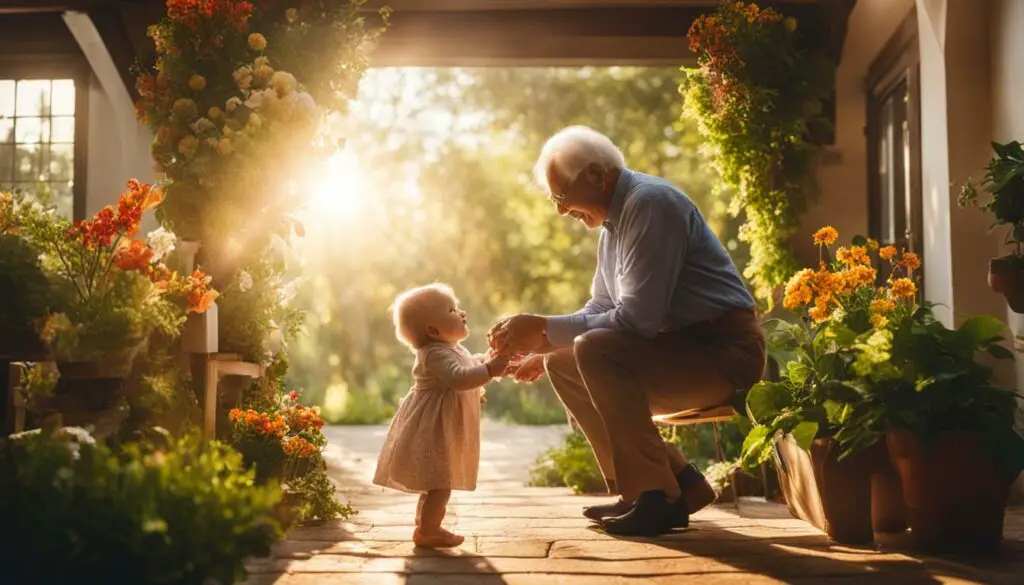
595,344
560,362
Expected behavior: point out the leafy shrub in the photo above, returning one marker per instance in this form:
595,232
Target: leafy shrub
573,464
83,512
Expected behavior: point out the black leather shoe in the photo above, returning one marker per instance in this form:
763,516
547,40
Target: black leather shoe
697,491
652,515
602,511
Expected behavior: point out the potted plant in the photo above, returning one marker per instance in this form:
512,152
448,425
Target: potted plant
108,291
947,426
25,287
1004,182
839,306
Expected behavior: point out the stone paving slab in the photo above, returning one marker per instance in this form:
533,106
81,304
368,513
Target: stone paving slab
518,535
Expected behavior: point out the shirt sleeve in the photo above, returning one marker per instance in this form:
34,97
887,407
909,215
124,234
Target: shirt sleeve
654,240
445,364
562,329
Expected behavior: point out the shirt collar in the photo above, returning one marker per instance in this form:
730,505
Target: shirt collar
618,199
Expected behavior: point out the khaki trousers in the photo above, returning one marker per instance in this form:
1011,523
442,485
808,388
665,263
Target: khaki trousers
612,382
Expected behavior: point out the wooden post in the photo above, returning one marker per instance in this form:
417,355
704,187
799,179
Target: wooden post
209,396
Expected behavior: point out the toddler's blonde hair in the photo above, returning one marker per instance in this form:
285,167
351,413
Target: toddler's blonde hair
410,313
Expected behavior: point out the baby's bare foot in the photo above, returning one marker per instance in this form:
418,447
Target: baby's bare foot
440,538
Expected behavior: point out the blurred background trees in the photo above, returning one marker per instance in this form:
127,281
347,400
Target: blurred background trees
435,185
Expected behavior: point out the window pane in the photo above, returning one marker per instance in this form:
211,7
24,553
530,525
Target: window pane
27,163
63,129
62,162
6,164
6,130
34,98
63,102
30,130
6,98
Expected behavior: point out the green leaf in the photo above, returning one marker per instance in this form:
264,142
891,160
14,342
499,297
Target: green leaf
804,434
839,391
798,373
841,334
1000,352
766,399
754,446
980,329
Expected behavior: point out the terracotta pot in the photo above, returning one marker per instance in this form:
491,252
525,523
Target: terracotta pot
1007,278
845,489
888,512
955,495
115,366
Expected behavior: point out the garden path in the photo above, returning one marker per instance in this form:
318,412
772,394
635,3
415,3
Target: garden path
519,535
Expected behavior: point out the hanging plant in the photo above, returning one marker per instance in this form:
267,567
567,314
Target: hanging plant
756,95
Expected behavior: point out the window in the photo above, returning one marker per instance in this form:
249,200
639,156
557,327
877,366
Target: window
894,142
37,139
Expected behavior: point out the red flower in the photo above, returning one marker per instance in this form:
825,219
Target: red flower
135,256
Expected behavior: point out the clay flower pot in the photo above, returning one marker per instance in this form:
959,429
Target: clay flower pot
845,490
1006,277
955,495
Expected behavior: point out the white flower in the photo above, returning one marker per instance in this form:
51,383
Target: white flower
232,104
288,292
243,77
79,435
203,125
162,242
257,41
274,343
283,82
244,281
291,14
261,99
262,62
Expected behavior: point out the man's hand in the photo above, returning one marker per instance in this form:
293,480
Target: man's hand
522,333
528,370
497,366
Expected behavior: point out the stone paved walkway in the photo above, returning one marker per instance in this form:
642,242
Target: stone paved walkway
518,535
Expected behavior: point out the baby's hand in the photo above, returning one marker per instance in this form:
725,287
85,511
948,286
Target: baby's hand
496,366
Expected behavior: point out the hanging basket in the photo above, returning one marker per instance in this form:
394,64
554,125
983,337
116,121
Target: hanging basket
1006,277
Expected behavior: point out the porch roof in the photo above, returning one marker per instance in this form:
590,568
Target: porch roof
468,32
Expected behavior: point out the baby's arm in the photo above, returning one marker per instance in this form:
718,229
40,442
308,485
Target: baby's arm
444,363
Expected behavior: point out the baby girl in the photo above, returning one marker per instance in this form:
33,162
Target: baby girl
433,444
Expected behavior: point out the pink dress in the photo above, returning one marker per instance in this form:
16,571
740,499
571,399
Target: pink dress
433,442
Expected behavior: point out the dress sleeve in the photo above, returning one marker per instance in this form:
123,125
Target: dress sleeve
445,365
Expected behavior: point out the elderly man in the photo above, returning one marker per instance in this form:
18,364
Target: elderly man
669,326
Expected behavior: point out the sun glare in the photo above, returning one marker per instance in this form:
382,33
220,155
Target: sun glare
341,190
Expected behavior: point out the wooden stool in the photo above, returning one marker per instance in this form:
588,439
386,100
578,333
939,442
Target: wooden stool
713,416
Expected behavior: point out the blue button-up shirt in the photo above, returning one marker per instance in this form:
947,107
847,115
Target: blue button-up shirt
659,266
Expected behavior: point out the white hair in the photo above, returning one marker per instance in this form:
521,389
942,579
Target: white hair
573,149
411,311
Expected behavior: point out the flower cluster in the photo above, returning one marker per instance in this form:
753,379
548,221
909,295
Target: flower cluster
190,13
111,223
261,424
296,446
849,283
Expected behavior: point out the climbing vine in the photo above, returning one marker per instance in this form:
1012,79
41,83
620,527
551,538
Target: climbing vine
757,96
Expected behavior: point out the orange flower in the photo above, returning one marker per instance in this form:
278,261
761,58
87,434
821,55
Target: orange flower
819,312
903,288
910,261
798,290
298,447
887,253
133,256
826,236
199,300
882,306
854,256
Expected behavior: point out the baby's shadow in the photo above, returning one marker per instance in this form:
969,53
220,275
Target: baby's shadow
450,566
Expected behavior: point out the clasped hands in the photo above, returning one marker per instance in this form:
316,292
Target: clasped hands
523,340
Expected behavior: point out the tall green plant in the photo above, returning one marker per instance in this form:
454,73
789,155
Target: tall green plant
757,97
1004,182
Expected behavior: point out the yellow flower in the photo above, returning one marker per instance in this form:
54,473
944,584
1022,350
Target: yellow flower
826,236
257,41
824,282
882,306
879,321
910,261
872,245
188,145
197,82
790,24
263,73
798,290
887,253
215,113
855,256
185,109
291,14
283,82
224,146
903,288
243,77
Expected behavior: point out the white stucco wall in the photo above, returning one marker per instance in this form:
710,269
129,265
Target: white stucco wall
118,147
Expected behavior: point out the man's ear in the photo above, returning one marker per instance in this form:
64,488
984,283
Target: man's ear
595,174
